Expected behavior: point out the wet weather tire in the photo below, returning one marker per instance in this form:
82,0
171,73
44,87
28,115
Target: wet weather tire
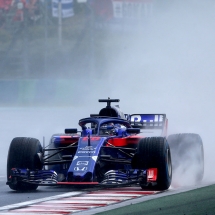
187,156
154,152
23,154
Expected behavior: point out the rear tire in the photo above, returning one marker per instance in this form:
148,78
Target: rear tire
187,157
23,154
154,152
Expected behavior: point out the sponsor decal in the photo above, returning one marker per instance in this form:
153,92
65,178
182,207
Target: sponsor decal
75,157
91,138
94,158
88,148
82,163
91,152
148,119
77,168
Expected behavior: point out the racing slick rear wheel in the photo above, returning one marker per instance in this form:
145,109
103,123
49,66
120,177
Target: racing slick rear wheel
154,152
187,157
23,154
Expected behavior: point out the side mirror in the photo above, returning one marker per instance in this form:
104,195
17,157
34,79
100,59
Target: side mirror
71,131
133,130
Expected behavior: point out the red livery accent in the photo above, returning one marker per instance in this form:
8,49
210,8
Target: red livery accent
91,138
120,142
152,174
77,183
68,139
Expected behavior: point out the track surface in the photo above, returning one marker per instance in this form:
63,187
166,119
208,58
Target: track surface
71,202
89,201
8,197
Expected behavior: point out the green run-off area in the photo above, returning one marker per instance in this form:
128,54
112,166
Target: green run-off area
196,202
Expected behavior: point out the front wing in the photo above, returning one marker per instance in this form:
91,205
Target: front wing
112,178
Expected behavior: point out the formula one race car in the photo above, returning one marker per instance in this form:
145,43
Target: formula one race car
112,149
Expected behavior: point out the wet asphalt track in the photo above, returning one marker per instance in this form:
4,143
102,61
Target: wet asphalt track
163,200
8,197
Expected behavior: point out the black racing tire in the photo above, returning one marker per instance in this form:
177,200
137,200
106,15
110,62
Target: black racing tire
154,152
187,155
23,154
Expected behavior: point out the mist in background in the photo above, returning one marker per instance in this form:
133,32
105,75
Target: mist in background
164,65
170,69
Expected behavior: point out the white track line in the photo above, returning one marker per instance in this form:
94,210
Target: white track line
75,202
42,210
71,203
99,198
83,201
22,204
87,203
59,205
28,213
116,194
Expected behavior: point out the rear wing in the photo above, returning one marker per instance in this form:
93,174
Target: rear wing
149,122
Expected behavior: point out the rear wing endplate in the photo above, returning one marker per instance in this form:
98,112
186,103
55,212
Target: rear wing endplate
147,121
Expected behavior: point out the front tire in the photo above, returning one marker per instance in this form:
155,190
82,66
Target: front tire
23,154
154,152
